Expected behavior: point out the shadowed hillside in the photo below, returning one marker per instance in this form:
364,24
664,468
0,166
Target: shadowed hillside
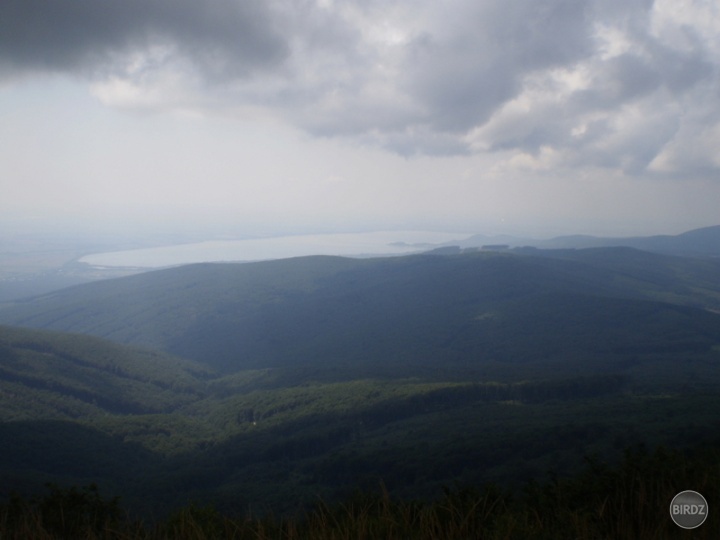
314,377
93,376
703,242
392,315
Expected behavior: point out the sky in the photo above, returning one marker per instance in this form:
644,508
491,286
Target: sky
264,117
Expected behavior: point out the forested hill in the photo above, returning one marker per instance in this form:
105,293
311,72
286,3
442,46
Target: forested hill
343,318
703,243
313,377
59,376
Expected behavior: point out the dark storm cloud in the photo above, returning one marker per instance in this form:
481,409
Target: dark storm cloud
602,82
222,38
470,66
452,71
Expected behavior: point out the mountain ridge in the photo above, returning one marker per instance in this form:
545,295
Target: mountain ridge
701,242
331,311
316,376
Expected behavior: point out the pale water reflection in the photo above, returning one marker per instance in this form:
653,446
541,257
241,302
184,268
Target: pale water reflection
346,244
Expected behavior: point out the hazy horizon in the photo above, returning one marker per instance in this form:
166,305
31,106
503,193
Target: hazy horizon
147,234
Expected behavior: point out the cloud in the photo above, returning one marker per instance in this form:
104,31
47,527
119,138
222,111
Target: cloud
609,83
221,39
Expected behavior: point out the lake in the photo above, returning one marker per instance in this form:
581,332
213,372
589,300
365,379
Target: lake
365,244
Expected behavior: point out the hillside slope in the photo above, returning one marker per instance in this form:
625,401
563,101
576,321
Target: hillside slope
411,315
704,242
420,372
50,375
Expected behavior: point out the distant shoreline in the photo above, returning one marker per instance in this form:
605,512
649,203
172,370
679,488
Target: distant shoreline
380,243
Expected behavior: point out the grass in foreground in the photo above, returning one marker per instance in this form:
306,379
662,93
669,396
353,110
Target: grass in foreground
629,501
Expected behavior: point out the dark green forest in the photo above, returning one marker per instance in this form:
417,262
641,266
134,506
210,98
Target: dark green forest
262,389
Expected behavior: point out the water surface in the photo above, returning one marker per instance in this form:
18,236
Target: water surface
258,249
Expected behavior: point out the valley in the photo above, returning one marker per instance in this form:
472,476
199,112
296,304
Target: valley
260,387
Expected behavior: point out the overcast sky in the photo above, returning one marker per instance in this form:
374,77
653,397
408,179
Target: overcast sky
535,117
